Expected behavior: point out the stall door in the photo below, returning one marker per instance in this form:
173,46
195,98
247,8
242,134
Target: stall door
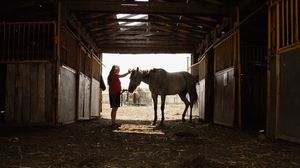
289,114
224,111
84,97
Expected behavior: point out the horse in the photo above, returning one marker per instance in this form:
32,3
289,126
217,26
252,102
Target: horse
164,83
102,84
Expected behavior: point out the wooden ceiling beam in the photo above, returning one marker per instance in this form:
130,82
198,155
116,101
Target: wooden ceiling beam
170,8
145,49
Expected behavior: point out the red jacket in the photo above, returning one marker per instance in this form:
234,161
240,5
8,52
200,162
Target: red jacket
114,84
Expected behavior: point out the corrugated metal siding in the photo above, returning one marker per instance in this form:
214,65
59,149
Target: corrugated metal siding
84,97
67,96
95,98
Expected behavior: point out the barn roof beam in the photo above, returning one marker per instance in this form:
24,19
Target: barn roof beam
145,49
170,8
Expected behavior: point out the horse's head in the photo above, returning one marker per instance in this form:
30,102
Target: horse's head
135,80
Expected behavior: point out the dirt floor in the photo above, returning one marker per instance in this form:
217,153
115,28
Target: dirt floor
138,144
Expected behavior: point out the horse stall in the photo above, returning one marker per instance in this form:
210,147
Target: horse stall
27,72
285,36
40,76
96,97
225,112
253,62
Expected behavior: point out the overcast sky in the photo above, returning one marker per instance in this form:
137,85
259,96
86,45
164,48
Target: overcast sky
169,62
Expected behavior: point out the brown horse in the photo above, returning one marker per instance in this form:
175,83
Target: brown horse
164,83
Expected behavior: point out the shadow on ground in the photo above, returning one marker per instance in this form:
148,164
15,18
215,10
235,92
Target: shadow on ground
138,144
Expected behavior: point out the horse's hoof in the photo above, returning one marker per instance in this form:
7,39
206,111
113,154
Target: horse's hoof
183,120
153,123
161,124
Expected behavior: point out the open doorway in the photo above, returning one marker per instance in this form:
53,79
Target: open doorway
254,71
2,91
139,105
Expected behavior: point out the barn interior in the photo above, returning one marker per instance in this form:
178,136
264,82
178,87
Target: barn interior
51,57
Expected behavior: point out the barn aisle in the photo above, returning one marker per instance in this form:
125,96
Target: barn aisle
138,144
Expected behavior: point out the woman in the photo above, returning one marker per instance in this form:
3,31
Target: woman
114,84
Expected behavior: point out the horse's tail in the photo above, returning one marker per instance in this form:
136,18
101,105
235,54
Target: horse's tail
192,89
194,95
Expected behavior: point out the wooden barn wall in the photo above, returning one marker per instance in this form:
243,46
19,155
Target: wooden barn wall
225,87
224,107
69,48
224,54
95,89
29,93
26,41
288,117
282,81
67,95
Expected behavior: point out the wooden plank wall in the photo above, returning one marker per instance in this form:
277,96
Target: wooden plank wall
29,94
288,117
225,83
287,45
26,41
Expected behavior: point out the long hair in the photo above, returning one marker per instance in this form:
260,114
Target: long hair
111,72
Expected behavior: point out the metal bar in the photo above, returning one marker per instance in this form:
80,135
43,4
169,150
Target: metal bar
22,54
8,42
28,39
282,24
287,22
38,47
292,20
297,20
19,43
4,40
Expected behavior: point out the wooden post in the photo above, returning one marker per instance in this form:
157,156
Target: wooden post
238,68
278,64
57,64
91,82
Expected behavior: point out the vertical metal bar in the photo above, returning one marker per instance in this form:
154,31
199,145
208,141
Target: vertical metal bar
23,52
13,41
4,41
38,42
292,20
28,40
287,22
47,40
19,43
33,50
282,26
297,20
8,41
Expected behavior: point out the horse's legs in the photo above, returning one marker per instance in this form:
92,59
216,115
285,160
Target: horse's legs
191,108
163,99
186,102
154,97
